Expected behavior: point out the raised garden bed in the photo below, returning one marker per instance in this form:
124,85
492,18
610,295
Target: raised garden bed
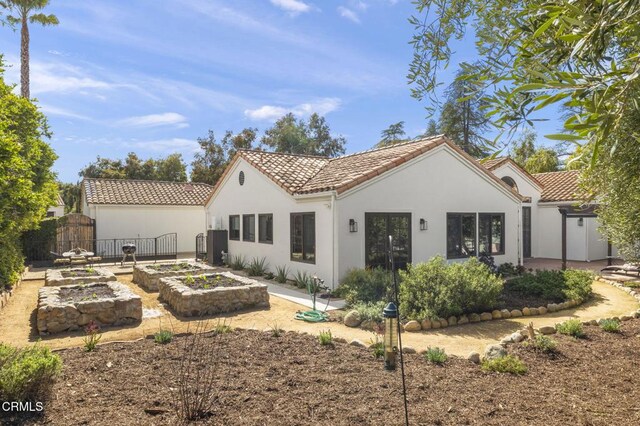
69,308
148,276
58,277
210,294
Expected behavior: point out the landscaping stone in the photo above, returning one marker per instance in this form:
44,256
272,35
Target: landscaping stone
474,357
357,343
147,277
474,318
352,319
408,350
625,318
426,324
506,340
412,326
340,340
517,337
505,313
516,313
552,307
464,320
547,330
435,324
443,323
367,325
452,320
56,277
486,316
542,310
496,314
494,351
526,312
636,314
593,322
534,311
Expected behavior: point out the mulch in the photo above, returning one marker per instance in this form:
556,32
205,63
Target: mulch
81,292
293,380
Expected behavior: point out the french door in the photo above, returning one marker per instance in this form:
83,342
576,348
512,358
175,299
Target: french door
378,227
526,232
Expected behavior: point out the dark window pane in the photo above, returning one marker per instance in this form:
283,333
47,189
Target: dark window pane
461,235
468,235
296,237
491,233
309,237
265,228
248,227
234,227
496,234
453,236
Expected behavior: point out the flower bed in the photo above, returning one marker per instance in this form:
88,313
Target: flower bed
148,276
72,307
58,277
210,294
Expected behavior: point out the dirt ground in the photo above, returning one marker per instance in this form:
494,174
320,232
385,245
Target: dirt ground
17,321
292,380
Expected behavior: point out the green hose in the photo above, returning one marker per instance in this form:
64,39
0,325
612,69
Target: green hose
312,316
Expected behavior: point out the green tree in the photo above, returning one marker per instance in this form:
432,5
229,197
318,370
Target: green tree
27,184
393,134
171,168
24,12
543,160
312,137
432,129
135,168
104,168
70,193
524,147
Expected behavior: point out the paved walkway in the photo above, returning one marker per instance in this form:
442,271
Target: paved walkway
17,321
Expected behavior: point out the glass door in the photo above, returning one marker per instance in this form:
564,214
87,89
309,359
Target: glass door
526,232
378,227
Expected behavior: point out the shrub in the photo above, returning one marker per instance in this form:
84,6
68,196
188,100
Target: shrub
506,364
303,280
269,275
571,284
377,347
371,311
435,355
438,289
610,325
237,263
325,338
163,337
257,267
27,374
282,274
222,328
577,284
365,285
572,327
543,343
488,260
93,336
276,331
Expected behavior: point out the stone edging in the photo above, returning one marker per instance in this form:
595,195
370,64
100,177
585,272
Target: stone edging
5,296
635,293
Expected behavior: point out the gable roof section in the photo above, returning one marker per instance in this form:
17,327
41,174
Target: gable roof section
495,163
302,174
145,192
559,186
60,201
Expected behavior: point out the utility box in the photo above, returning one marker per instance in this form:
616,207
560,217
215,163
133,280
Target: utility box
217,242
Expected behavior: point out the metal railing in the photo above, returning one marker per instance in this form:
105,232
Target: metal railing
201,246
42,253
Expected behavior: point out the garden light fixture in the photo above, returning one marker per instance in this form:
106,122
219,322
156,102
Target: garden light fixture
423,225
390,314
353,225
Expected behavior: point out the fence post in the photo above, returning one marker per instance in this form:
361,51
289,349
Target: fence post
115,258
155,250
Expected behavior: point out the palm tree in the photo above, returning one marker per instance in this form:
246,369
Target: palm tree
22,12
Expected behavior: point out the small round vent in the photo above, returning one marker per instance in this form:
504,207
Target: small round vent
241,178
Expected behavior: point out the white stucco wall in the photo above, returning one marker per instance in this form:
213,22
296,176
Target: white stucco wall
427,187
596,243
58,211
260,195
128,221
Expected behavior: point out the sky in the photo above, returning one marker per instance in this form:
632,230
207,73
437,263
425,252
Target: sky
151,76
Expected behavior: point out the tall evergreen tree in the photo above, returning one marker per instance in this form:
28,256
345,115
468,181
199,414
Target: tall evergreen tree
393,134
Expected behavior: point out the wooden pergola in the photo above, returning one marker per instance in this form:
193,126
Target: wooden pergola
577,212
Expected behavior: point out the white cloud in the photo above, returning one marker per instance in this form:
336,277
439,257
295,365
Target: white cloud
272,113
189,146
61,112
156,120
348,14
292,6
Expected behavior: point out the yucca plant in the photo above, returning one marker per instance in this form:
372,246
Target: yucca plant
302,279
282,274
257,267
237,263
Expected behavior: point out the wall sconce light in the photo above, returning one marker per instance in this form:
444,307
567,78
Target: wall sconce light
423,225
353,225
580,221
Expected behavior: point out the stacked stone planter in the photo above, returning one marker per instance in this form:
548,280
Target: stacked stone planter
189,302
55,277
148,278
55,315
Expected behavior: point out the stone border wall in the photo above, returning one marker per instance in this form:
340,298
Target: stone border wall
187,302
54,277
5,296
54,315
148,278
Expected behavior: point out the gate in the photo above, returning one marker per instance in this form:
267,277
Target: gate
76,230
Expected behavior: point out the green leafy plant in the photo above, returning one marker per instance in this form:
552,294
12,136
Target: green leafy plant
371,311
282,274
610,325
543,343
222,328
90,270
325,338
269,276
377,346
27,374
237,263
506,364
303,280
163,337
571,284
572,327
435,355
257,267
276,331
189,280
365,285
92,337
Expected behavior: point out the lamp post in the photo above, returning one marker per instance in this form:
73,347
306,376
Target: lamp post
390,314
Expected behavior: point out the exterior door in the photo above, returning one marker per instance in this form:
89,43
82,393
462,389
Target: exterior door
378,227
526,232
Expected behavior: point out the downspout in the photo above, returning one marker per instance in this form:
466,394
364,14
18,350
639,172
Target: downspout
334,258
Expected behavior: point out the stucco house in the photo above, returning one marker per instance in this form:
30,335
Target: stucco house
146,209
326,216
58,209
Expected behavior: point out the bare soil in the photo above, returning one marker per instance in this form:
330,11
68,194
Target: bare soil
79,273
513,299
183,266
206,282
293,380
85,292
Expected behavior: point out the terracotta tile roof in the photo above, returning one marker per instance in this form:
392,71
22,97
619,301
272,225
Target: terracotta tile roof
60,200
145,192
559,186
493,163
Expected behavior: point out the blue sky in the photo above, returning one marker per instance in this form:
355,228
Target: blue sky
151,76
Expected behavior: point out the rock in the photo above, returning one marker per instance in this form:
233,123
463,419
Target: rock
517,337
496,314
505,313
506,340
357,343
412,326
526,312
435,323
408,350
464,320
516,313
494,352
636,314
474,318
552,307
352,319
534,311
426,324
625,318
452,320
542,310
367,325
338,339
443,323
486,316
474,357
593,322
547,329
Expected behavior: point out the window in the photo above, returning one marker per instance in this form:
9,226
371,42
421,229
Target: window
509,181
265,228
491,233
461,235
248,227
303,237
234,227
51,214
